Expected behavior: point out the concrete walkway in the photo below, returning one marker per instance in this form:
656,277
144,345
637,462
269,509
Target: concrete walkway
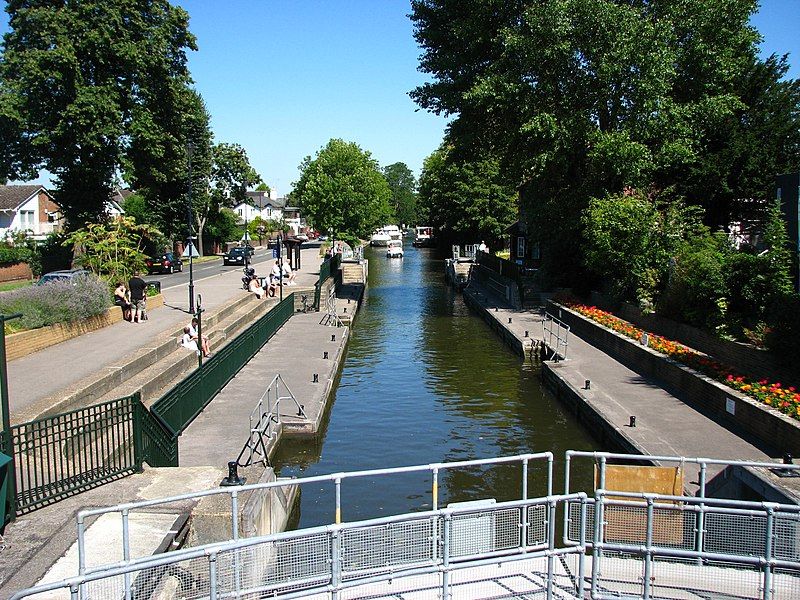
40,375
665,425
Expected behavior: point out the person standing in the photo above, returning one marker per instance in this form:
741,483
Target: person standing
483,247
137,286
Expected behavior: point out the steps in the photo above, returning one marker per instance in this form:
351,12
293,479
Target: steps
162,374
354,272
109,381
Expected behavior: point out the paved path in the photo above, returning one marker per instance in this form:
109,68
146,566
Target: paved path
44,373
665,425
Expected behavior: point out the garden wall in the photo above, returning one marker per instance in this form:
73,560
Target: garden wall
747,359
726,406
15,272
27,342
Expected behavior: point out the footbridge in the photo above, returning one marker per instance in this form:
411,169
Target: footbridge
611,540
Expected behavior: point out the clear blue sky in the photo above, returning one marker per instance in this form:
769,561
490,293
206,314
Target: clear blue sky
283,77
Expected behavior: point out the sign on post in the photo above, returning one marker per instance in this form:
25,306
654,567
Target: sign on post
190,251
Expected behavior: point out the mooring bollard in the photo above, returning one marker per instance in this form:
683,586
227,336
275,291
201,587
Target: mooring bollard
333,337
316,378
587,385
233,476
509,320
632,422
325,355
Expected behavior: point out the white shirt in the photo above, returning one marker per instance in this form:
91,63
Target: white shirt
188,343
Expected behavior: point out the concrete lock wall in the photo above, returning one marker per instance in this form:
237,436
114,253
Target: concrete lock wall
721,403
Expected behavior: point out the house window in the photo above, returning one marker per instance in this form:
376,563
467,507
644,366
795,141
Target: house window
535,254
521,247
240,212
26,219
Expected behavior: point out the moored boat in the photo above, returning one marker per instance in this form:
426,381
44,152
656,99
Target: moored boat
423,237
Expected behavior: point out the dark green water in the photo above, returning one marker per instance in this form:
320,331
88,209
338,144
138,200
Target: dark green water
426,380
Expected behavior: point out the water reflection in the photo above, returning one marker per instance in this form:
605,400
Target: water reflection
424,381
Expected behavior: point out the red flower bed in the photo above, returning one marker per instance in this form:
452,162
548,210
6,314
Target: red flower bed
786,400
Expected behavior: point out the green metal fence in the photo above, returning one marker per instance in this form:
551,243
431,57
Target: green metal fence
57,456
326,270
179,406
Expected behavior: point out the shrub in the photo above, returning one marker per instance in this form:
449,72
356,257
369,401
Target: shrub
57,302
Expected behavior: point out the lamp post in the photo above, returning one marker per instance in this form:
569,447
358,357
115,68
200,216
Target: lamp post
11,490
246,240
189,151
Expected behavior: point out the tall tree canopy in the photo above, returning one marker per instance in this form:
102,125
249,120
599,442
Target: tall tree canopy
582,99
468,200
404,192
342,190
82,84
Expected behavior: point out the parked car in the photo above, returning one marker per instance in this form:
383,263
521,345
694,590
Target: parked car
236,256
66,275
166,263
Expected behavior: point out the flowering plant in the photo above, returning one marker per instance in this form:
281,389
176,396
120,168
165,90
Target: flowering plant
786,400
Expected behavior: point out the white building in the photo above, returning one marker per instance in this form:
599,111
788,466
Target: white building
28,208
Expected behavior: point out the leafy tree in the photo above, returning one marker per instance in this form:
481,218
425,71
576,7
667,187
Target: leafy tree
80,81
466,200
580,99
404,198
342,190
173,130
223,225
262,187
231,175
112,250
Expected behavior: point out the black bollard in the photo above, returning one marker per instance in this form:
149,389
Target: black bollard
587,385
233,476
526,333
632,422
333,337
325,355
509,320
316,378
301,410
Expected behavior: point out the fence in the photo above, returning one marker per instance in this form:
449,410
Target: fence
180,405
327,269
425,552
555,334
58,456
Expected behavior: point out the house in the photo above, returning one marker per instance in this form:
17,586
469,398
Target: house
116,202
28,208
262,205
523,250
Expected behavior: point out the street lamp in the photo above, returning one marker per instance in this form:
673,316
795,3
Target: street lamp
190,246
246,240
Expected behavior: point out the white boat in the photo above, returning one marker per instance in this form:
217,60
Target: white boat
379,238
395,233
423,236
394,249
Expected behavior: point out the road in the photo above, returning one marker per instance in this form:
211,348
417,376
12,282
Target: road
261,260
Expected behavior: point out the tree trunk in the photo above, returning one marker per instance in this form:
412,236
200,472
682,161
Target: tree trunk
201,222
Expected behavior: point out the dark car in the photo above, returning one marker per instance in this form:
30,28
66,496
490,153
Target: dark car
236,256
166,263
69,275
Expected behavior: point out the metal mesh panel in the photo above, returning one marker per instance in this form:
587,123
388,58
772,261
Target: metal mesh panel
786,528
277,567
484,531
741,535
672,527
786,584
537,524
619,573
574,524
387,546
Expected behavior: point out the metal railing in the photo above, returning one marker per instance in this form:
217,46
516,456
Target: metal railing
644,544
427,551
127,510
555,334
180,405
57,456
327,269
331,316
601,461
265,421
60,455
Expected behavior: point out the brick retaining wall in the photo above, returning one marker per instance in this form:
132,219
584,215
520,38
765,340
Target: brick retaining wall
15,272
27,342
750,418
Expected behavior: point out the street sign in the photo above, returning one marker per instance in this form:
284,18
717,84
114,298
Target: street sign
190,252
274,253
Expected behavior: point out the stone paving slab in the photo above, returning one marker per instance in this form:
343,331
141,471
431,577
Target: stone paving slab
296,352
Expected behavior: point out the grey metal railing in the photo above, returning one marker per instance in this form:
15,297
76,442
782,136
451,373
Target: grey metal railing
433,549
265,421
555,334
337,479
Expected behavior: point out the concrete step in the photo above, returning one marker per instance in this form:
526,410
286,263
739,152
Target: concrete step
108,381
159,376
